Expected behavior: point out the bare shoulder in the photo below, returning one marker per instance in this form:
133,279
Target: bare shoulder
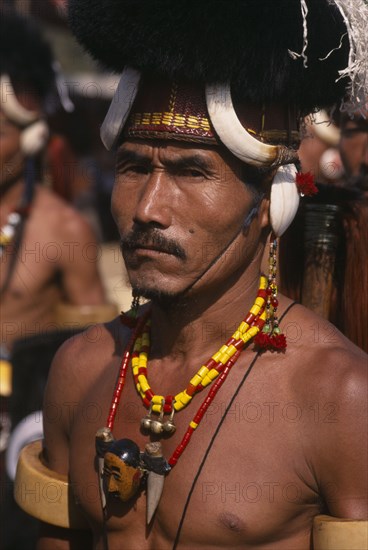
324,366
63,220
322,353
80,360
77,365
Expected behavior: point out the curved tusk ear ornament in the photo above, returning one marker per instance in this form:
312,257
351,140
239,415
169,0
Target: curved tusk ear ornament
34,138
324,128
284,200
11,106
120,107
235,137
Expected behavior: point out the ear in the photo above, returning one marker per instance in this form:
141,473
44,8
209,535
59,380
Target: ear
264,213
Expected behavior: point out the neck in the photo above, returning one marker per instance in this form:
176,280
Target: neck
205,319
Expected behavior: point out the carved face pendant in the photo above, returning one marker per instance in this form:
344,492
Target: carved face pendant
123,470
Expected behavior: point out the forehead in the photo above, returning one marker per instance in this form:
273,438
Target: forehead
112,460
358,118
176,150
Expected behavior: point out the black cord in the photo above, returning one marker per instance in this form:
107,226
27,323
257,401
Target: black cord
26,201
178,533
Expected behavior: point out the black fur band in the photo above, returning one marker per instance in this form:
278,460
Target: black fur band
244,41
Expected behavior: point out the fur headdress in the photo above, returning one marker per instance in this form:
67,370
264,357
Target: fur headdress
25,56
288,50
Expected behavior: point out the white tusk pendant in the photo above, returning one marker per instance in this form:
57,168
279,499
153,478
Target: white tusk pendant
155,486
103,439
157,468
100,477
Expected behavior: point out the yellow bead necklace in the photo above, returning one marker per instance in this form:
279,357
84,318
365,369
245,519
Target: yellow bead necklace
207,373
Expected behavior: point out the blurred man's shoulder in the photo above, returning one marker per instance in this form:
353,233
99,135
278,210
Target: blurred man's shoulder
59,215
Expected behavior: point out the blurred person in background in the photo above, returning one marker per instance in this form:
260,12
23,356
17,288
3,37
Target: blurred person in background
48,250
319,148
354,148
322,268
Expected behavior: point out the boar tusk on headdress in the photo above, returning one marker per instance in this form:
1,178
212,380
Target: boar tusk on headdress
235,137
120,107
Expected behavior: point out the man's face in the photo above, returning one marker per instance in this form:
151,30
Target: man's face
180,211
11,158
121,480
354,150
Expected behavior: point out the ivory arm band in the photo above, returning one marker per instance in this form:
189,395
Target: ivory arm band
43,493
331,533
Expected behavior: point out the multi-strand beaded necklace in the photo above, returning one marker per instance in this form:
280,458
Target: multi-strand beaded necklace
9,229
216,370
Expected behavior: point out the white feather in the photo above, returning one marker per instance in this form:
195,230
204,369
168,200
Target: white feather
355,15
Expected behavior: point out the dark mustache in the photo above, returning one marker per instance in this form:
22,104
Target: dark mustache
141,238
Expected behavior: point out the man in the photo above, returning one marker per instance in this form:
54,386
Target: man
48,251
354,148
354,154
320,270
318,151
275,437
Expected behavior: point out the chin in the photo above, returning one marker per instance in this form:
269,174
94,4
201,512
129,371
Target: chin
161,296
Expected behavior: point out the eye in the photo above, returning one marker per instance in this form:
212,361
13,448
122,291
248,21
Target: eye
133,169
350,132
191,173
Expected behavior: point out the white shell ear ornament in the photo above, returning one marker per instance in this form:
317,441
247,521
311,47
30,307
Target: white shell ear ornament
34,138
284,200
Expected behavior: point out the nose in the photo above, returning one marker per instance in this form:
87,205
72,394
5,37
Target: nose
153,205
112,485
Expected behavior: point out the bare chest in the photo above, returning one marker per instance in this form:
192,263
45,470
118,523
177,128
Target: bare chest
241,482
30,288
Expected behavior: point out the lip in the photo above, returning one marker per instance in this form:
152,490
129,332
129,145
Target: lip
150,251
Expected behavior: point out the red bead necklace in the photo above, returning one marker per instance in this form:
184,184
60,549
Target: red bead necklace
255,323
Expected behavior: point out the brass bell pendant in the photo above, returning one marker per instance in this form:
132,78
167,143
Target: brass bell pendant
147,420
169,426
157,425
